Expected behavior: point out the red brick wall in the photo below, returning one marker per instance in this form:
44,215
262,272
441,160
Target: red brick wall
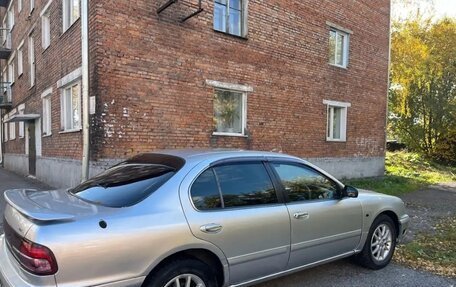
61,58
148,74
151,74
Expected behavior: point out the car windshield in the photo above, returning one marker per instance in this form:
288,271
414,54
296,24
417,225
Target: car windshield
124,185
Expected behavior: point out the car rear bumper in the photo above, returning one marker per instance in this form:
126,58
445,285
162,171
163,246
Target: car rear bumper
12,275
403,227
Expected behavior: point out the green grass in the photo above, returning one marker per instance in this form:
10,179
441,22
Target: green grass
433,252
406,172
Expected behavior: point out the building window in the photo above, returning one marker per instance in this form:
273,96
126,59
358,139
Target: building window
71,13
12,128
230,17
21,110
19,6
71,107
31,47
229,112
11,71
20,59
32,6
47,115
5,84
5,129
11,17
338,48
336,120
45,29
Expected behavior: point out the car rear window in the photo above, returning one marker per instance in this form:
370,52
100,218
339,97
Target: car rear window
125,184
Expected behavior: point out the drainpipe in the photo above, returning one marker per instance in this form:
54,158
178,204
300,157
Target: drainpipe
85,90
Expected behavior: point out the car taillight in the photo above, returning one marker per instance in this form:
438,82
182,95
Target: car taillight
33,257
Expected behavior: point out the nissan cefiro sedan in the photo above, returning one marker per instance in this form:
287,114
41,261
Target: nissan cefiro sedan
194,219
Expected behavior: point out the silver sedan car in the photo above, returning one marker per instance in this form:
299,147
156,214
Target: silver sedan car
194,219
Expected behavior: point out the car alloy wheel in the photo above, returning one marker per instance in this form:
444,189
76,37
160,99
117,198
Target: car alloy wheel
381,242
186,280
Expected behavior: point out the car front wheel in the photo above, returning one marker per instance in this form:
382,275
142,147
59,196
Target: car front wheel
183,273
380,244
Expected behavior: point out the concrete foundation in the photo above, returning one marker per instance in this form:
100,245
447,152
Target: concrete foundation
17,163
351,167
64,173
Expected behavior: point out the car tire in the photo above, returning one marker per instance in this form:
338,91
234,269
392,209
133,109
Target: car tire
380,244
183,270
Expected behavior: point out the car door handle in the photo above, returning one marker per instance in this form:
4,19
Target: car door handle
211,228
299,215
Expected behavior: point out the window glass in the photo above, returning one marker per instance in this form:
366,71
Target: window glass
340,49
332,47
303,183
75,106
124,185
337,118
220,16
338,42
245,185
205,192
228,110
228,12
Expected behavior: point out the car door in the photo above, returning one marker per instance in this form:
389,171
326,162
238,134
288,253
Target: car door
235,207
322,225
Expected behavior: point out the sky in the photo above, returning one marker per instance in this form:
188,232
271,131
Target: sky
438,8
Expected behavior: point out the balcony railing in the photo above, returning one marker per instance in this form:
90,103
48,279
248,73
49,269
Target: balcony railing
5,41
5,96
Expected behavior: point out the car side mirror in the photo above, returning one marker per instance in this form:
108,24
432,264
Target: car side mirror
350,191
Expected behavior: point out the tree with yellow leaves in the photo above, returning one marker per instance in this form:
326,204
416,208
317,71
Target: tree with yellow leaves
423,86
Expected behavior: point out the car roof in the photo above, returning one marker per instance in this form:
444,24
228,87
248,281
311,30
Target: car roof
216,154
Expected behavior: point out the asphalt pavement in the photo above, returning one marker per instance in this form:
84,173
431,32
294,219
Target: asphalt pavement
340,273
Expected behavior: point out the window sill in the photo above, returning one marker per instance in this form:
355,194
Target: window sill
339,66
229,135
66,29
47,135
45,49
231,35
71,131
20,75
336,140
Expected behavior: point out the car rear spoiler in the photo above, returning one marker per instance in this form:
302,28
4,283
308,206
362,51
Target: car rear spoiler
19,200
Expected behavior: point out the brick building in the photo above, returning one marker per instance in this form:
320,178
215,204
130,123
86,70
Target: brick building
308,78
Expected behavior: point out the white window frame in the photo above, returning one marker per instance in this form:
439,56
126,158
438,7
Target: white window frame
21,110
63,111
10,16
46,26
330,105
346,53
46,97
19,6
5,129
12,127
11,70
20,59
236,88
67,16
32,6
31,53
244,19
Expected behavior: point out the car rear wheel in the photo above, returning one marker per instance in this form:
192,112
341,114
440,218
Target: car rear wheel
380,244
183,273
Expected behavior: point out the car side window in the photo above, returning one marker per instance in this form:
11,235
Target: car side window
245,184
303,183
205,192
233,185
